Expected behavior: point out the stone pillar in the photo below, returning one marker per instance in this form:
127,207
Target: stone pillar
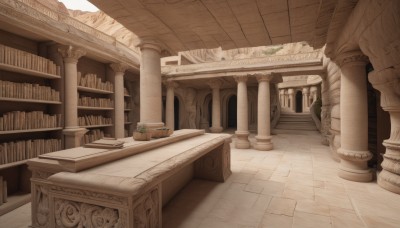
325,112
282,97
242,132
216,106
292,102
72,132
170,109
119,123
263,114
388,83
354,152
286,96
150,86
306,95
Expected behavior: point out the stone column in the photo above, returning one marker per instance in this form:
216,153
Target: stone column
282,97
72,132
242,132
216,106
325,112
306,94
264,114
354,152
119,123
169,112
150,86
292,102
286,95
388,83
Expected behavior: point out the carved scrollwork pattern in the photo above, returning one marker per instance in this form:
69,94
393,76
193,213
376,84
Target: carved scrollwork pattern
146,213
74,214
42,203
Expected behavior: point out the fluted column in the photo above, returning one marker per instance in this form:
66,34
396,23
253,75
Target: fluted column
119,109
150,86
354,152
388,83
292,102
169,112
263,138
242,132
216,106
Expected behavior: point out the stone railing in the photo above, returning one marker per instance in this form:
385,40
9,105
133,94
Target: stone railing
42,12
315,55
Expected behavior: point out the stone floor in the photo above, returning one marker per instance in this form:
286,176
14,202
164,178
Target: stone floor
294,185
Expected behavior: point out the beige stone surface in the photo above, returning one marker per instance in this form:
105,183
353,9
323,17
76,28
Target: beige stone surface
209,204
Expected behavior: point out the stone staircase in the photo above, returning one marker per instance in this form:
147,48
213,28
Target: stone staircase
296,121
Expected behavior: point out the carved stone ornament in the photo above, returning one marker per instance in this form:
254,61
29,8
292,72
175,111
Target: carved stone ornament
215,83
242,78
264,77
71,53
119,67
74,214
353,57
171,84
146,213
42,202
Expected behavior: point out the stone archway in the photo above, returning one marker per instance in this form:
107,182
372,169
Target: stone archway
299,101
232,112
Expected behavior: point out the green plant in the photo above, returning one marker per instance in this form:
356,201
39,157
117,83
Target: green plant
141,128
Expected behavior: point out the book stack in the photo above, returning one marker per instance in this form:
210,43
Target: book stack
93,135
106,143
28,91
22,150
95,102
88,120
22,59
18,120
92,81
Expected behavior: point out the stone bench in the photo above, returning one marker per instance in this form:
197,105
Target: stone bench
112,188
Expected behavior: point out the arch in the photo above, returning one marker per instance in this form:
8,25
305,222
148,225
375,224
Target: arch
232,112
299,101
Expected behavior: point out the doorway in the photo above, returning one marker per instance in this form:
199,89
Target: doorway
176,113
232,112
299,101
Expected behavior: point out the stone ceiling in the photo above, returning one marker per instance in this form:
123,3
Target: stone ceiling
182,25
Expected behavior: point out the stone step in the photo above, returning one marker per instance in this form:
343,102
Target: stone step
296,127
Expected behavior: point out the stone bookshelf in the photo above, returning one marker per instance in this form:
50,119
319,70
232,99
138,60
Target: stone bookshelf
127,109
28,84
93,89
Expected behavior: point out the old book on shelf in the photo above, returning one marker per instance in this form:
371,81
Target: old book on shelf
106,143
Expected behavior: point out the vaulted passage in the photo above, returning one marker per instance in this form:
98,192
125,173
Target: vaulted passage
299,101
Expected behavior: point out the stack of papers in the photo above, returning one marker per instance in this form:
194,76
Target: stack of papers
105,144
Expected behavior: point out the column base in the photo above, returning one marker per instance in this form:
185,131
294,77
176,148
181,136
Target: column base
216,129
353,165
389,181
263,143
73,137
151,126
242,141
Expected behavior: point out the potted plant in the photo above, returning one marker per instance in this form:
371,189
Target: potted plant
141,133
161,132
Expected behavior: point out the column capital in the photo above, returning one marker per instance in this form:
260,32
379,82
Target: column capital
215,83
388,83
71,53
171,84
306,90
149,43
241,78
290,91
353,58
119,67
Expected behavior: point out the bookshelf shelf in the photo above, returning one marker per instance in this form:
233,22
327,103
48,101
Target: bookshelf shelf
21,70
29,100
94,108
30,130
12,164
97,126
14,201
93,90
